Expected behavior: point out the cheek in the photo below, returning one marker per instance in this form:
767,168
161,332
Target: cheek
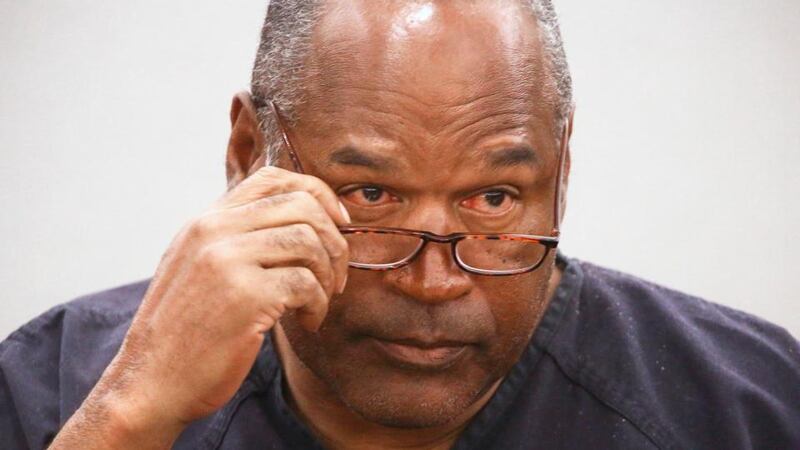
360,303
517,304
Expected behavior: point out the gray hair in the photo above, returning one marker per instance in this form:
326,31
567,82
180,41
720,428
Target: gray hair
279,72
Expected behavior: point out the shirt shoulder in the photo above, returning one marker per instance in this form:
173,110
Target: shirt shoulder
117,304
49,365
688,372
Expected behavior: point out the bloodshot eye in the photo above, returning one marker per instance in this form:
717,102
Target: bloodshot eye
369,196
490,202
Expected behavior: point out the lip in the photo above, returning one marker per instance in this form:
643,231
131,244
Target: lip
417,354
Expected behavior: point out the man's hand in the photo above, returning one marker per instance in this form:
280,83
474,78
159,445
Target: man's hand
268,246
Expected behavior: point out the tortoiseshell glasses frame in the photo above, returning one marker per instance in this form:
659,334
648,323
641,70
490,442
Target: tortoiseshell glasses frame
548,243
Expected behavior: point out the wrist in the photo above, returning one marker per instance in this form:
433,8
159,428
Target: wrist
137,424
125,419
102,423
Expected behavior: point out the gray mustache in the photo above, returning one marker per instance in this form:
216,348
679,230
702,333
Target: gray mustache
399,318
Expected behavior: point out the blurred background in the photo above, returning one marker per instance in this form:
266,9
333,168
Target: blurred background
686,153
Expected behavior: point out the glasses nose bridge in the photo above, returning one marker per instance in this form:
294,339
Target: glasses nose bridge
441,239
449,240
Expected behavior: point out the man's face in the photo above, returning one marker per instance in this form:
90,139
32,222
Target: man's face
437,116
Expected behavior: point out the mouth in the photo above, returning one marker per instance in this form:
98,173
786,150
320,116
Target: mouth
421,355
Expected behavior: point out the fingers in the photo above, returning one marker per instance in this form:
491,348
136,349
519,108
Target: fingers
296,245
277,269
302,292
298,207
276,233
263,296
289,288
269,181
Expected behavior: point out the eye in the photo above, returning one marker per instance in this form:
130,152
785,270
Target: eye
369,196
490,202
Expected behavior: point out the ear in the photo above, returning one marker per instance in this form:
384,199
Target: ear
567,164
570,126
245,146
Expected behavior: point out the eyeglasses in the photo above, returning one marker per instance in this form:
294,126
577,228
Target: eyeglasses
382,248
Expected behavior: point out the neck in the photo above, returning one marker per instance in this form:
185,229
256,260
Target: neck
338,427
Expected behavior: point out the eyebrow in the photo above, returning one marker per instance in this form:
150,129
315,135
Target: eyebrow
351,156
510,157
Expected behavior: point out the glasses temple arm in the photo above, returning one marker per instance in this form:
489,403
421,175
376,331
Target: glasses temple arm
298,166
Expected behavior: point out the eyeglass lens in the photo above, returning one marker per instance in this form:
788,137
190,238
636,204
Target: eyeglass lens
379,248
481,254
495,254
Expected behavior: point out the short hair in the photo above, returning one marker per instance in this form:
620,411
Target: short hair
280,75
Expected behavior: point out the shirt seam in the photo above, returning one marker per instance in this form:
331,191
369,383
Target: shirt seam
565,294
612,396
30,331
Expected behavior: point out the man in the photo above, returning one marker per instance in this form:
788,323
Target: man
385,274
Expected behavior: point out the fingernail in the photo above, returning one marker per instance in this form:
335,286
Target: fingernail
344,212
344,284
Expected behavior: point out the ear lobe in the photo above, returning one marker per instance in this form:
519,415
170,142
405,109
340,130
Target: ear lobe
246,143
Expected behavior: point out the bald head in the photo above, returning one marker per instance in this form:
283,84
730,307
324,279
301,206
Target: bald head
311,48
437,55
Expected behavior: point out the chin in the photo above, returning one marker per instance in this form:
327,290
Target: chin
396,396
409,401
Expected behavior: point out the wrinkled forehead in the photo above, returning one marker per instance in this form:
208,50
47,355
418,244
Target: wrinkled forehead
432,57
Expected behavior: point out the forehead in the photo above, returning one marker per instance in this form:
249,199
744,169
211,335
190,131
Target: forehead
441,68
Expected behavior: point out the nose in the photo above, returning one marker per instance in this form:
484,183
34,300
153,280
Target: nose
433,276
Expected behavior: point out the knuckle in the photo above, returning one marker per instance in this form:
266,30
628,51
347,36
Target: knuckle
319,186
270,172
283,239
318,213
299,235
299,284
269,178
321,257
305,233
238,289
305,237
303,280
335,242
319,262
303,197
339,249
267,202
203,226
216,257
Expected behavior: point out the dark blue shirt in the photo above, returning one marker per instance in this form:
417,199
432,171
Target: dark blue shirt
616,362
